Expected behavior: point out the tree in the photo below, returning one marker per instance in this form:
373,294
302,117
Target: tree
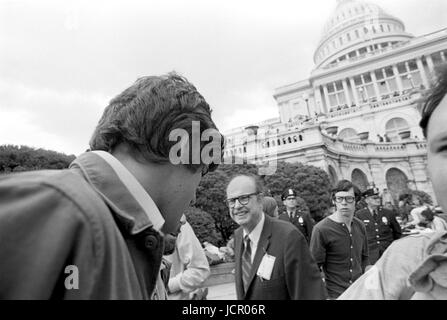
311,183
203,225
22,158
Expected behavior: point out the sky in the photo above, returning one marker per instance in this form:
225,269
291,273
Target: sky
61,62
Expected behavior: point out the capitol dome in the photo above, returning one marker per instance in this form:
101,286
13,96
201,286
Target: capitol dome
355,29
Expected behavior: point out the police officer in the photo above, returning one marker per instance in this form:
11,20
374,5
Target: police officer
381,225
299,219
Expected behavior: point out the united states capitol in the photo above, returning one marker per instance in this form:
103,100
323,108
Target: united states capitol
356,116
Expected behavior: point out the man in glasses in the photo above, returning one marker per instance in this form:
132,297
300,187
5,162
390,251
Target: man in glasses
415,267
339,244
381,225
273,261
299,219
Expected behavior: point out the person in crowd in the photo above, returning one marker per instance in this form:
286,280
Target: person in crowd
189,266
387,139
273,261
270,207
415,267
379,138
302,220
381,225
387,197
95,230
404,208
419,206
431,221
339,242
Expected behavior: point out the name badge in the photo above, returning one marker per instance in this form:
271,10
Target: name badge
266,267
300,220
384,220
367,221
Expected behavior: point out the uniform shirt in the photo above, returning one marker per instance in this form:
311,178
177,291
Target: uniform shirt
382,228
343,255
189,265
300,220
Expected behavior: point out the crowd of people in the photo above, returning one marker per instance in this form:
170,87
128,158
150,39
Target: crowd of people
112,225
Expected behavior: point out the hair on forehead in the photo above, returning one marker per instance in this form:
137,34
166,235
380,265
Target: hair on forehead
259,185
434,97
345,186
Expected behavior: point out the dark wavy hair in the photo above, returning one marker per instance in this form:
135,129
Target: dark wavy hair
346,185
143,116
434,97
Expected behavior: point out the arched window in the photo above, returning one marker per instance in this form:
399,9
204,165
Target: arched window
381,28
333,176
397,182
295,139
348,134
394,126
359,179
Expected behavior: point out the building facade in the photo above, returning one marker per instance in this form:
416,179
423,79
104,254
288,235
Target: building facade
356,116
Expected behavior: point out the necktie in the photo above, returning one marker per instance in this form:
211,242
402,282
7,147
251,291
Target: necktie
246,262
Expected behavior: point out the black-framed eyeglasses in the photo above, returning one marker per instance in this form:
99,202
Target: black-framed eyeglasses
348,199
243,200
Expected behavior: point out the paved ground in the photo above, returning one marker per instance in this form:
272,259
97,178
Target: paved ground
225,291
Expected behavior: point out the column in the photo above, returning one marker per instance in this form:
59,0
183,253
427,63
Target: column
376,87
326,97
318,100
354,91
398,79
346,90
431,65
422,71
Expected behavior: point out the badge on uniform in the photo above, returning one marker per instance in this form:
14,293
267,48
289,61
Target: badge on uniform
366,221
384,220
266,267
300,220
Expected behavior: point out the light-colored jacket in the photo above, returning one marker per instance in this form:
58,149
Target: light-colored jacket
189,266
414,267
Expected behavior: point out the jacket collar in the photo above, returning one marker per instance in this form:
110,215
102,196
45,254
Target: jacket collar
130,203
263,245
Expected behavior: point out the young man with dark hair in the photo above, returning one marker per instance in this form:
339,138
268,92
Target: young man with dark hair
339,244
415,267
273,261
95,231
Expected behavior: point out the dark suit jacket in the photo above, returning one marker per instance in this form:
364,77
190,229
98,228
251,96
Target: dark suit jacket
295,274
381,230
305,226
